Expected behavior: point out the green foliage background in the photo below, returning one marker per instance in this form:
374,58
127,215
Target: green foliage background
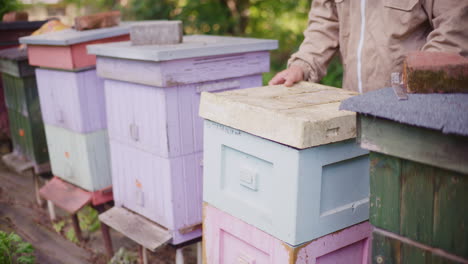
8,6
283,20
13,250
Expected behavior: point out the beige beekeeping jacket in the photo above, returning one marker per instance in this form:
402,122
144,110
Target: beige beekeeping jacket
373,37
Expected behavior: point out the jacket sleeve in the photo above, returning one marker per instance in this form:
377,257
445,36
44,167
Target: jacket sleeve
320,42
449,21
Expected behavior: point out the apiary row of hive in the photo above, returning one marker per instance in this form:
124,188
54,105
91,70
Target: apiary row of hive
192,145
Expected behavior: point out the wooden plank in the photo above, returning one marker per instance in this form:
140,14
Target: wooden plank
414,143
102,196
29,137
391,248
139,229
417,197
450,212
190,228
65,195
385,182
17,163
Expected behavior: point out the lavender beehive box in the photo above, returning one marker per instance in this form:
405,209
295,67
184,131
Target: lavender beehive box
72,100
152,97
284,159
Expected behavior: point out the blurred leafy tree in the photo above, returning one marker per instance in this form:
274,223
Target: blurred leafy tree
284,20
8,6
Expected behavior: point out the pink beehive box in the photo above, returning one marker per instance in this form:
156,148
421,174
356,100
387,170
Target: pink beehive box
66,49
152,102
229,240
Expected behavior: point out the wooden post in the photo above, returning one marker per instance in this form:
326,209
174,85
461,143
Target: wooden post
51,209
39,200
76,227
199,253
105,234
179,256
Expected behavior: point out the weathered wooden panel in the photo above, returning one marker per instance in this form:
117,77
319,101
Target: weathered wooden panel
184,71
294,195
21,95
4,126
16,68
389,248
67,57
28,137
414,143
72,100
385,192
166,191
229,240
163,121
421,202
81,159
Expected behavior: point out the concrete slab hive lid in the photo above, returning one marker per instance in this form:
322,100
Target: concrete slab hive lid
301,116
444,112
191,47
71,36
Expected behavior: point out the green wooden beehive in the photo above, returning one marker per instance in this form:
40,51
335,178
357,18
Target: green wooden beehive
419,175
24,111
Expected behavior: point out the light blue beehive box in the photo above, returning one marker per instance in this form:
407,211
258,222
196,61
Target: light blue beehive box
285,160
81,159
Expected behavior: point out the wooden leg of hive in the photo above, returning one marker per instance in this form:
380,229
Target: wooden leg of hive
39,200
106,234
51,209
199,253
107,240
76,227
179,256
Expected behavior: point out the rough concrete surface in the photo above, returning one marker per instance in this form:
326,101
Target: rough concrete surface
301,116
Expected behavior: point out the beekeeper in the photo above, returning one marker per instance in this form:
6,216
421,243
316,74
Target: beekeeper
373,37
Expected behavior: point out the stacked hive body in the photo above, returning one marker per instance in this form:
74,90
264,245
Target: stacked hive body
24,111
10,32
284,180
152,95
73,104
419,175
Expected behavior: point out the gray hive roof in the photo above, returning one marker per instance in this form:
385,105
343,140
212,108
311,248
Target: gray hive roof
445,112
14,54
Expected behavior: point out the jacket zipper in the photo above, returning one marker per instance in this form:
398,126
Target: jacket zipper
361,43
